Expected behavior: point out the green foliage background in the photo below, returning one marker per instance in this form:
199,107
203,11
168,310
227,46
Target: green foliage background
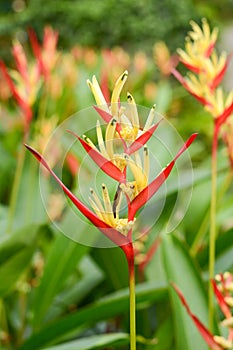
107,23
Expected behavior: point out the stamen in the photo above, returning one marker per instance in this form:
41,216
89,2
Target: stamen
125,121
107,204
138,159
129,189
98,95
116,93
109,137
133,111
150,118
101,140
96,209
146,162
140,178
117,202
90,143
97,200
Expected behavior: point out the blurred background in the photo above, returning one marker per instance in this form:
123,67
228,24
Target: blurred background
132,25
52,289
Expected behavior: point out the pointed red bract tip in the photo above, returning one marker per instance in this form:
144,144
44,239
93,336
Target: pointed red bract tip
225,115
154,186
194,69
142,139
106,165
186,145
107,117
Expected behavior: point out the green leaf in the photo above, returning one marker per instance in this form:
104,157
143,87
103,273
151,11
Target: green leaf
224,251
91,275
16,251
108,307
29,206
113,263
182,271
94,342
61,261
164,335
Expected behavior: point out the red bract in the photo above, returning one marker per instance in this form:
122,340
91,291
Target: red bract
143,197
73,163
182,80
210,49
46,55
142,139
21,63
110,232
194,69
106,165
207,336
223,117
218,78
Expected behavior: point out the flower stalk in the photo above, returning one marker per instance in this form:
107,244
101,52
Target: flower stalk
132,304
213,227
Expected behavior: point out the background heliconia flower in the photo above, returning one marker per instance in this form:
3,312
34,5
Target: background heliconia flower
47,54
25,81
206,71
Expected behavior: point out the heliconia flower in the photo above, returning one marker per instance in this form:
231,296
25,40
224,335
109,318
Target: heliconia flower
115,153
207,71
210,339
46,54
106,218
27,112
24,82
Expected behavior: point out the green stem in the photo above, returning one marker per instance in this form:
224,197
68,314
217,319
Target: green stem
132,312
200,234
205,223
15,188
213,230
